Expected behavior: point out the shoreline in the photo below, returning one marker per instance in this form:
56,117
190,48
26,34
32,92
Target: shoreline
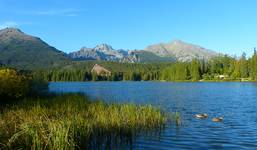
186,81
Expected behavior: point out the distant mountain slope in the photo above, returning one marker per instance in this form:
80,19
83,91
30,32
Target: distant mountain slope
149,57
107,53
176,50
100,52
180,50
23,51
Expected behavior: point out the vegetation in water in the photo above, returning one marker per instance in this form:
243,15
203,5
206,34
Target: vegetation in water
71,121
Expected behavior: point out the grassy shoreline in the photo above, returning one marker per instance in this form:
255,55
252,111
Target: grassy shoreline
72,121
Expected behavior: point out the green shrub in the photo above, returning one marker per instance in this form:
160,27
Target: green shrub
12,84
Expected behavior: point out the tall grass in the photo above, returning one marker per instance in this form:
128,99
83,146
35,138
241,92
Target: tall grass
71,122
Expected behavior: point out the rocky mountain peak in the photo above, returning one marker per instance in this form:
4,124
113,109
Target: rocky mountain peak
10,34
180,50
178,42
11,31
103,47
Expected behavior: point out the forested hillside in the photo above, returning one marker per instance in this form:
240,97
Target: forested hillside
222,67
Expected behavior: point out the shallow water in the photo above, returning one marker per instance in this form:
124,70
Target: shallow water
235,101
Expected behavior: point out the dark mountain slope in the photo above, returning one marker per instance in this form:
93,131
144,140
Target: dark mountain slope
23,51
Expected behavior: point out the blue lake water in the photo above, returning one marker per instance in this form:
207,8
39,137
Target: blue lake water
235,101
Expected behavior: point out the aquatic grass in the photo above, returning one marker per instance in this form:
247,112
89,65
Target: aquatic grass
177,118
174,118
71,122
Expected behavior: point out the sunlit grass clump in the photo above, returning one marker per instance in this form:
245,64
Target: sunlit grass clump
69,121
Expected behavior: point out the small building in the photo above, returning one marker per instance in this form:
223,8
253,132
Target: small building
244,79
99,70
222,76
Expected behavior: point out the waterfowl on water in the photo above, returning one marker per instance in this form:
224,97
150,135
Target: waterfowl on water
218,119
201,116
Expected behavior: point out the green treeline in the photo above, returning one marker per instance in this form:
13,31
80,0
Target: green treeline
223,67
81,71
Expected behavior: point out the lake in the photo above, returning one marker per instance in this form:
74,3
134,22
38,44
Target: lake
235,101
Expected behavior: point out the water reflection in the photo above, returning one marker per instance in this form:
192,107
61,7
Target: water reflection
121,139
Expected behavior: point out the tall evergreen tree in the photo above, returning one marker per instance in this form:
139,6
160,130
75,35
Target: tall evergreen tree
244,71
253,66
195,70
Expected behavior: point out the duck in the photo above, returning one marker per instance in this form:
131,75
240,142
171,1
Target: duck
217,119
201,116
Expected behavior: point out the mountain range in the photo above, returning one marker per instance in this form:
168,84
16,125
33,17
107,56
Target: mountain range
175,50
21,50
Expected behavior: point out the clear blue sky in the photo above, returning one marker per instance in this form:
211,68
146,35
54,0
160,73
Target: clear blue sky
228,26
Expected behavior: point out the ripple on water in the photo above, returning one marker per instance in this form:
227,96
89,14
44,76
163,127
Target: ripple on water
236,102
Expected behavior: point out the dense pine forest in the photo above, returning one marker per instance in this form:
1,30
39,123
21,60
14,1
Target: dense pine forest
223,68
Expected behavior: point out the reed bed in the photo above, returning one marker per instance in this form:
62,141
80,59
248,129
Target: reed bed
71,122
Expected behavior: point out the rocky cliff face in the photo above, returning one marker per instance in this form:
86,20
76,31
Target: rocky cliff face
103,52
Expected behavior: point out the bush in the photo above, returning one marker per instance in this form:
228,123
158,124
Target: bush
13,84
